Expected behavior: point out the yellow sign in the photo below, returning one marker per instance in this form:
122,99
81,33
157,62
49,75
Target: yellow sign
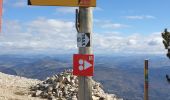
81,3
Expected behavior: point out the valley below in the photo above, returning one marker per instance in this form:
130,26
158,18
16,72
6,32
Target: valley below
120,75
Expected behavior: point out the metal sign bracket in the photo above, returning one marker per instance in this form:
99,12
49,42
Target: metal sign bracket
77,23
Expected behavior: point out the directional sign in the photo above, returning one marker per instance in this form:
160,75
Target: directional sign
83,3
83,39
83,65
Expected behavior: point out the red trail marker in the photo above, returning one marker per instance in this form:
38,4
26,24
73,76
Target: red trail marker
83,65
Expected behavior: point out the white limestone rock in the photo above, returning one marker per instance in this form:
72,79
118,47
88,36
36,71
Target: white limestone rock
64,86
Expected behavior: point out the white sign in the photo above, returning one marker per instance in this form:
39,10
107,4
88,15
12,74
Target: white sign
83,40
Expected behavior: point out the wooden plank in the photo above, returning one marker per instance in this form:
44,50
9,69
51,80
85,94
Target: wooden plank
85,3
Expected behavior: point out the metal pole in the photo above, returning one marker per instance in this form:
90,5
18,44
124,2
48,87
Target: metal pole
146,83
85,83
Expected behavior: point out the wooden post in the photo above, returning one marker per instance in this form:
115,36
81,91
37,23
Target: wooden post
146,83
85,83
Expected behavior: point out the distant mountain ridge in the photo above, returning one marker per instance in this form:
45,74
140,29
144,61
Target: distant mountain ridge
121,75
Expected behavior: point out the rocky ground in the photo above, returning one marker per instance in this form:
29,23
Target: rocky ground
63,86
16,88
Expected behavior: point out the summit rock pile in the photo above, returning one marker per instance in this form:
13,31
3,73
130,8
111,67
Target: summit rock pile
64,86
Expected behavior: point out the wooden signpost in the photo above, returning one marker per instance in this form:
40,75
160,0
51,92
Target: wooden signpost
146,83
84,28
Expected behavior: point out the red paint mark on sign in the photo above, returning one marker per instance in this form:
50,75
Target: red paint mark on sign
83,65
84,2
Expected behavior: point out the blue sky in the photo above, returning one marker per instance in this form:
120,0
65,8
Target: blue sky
120,26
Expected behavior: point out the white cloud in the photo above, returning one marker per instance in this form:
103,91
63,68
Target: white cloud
20,3
97,9
15,3
130,44
57,36
39,35
109,24
66,10
114,25
137,17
